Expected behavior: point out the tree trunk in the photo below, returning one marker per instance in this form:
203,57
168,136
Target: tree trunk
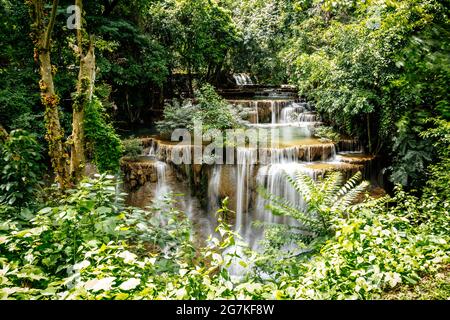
85,88
54,133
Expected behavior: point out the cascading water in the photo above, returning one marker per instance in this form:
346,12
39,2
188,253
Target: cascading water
162,188
308,117
255,107
291,113
213,188
293,123
153,150
243,79
246,161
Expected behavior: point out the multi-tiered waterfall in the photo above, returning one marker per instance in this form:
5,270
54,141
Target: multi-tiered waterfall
290,147
296,150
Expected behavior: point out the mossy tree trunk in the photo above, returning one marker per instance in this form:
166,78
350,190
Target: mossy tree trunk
42,29
83,96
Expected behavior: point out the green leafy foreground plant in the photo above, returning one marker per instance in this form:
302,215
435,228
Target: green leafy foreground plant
103,144
362,249
324,200
90,247
20,168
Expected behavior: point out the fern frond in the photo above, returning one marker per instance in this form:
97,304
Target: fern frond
303,184
283,207
350,197
349,185
331,185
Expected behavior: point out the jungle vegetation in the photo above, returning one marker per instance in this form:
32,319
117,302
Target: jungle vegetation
376,69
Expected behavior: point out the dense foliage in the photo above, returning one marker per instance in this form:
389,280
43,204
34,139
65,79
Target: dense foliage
378,70
102,141
119,253
375,70
208,108
21,168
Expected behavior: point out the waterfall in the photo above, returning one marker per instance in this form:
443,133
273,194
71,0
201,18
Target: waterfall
213,188
255,106
242,79
246,160
153,149
291,113
284,155
275,108
273,179
162,188
309,117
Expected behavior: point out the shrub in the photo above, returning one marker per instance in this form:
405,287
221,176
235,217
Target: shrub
132,148
21,168
327,134
208,107
103,144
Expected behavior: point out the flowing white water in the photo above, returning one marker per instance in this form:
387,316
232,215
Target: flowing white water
213,188
292,122
275,109
153,149
291,113
246,161
242,79
309,117
162,188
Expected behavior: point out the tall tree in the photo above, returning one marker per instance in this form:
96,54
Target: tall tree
83,96
42,29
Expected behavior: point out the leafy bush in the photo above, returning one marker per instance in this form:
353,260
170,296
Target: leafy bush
90,247
21,168
208,107
214,111
370,253
103,143
327,134
322,203
368,69
177,115
132,148
47,256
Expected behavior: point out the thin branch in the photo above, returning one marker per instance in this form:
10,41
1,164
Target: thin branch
79,4
51,24
38,12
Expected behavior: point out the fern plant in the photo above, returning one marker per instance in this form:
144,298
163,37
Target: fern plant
326,199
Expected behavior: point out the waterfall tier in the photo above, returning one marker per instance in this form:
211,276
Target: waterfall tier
288,147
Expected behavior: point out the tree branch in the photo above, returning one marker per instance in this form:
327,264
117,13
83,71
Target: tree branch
51,24
38,12
79,4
